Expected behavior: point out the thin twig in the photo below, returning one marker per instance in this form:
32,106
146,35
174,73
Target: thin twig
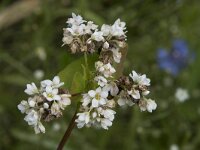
68,132
76,94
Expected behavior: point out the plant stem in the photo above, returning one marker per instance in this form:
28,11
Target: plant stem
76,94
67,132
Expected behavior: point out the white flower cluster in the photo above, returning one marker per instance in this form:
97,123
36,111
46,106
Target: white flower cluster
84,36
97,109
135,91
97,105
45,103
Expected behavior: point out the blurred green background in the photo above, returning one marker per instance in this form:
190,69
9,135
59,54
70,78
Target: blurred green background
30,44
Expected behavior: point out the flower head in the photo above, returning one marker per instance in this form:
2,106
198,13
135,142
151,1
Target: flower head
106,69
101,116
97,36
32,117
112,88
175,60
98,96
23,106
101,80
31,89
147,104
140,79
75,20
90,27
51,94
45,103
116,55
123,101
106,29
118,28
182,94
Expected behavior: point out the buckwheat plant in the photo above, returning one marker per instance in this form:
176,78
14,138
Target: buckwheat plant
101,85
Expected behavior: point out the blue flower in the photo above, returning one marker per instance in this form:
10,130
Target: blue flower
175,60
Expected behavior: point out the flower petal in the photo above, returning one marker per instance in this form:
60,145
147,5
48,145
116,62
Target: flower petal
92,93
95,103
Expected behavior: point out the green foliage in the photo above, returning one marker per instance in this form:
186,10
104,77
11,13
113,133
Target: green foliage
77,74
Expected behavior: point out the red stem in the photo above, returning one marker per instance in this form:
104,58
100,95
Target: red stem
67,132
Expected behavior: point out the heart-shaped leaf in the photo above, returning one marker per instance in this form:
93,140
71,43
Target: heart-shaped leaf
75,75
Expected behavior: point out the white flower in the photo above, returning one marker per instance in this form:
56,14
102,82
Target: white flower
106,45
46,83
46,105
101,116
65,101
39,128
174,147
31,89
182,95
105,123
106,69
38,74
37,105
55,109
68,38
140,79
32,118
75,20
56,82
116,55
118,28
23,106
89,27
111,103
151,105
121,24
31,102
112,88
101,80
134,93
123,101
51,94
105,29
98,65
97,36
76,30
99,97
83,118
86,99
147,104
146,92
109,114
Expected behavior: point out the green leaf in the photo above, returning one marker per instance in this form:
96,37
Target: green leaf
78,83
74,75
